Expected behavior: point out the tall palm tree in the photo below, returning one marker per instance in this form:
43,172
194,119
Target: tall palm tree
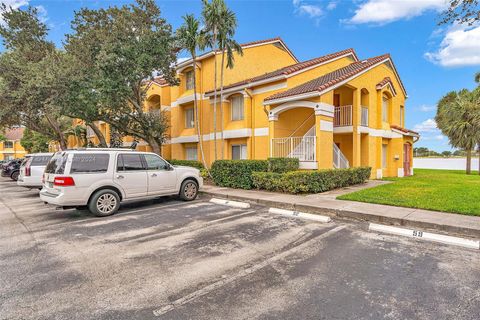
458,117
191,38
212,14
228,46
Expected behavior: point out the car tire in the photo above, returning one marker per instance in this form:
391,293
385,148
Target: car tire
189,190
104,203
14,175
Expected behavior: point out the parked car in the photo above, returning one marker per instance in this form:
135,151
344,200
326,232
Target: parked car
11,169
99,179
31,170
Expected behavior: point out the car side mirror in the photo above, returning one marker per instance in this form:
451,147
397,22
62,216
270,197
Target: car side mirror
168,167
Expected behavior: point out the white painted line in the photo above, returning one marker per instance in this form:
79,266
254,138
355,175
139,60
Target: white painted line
235,204
303,215
456,241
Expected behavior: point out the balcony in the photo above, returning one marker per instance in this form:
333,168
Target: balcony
343,116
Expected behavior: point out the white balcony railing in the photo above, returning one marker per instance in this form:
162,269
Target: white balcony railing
302,148
339,159
342,116
364,118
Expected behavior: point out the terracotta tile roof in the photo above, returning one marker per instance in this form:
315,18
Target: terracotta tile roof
330,79
290,69
160,81
405,130
384,82
14,133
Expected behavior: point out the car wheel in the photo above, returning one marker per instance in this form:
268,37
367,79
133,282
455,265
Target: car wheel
15,175
189,190
104,203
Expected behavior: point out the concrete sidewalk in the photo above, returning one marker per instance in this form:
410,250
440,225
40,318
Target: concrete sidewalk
326,204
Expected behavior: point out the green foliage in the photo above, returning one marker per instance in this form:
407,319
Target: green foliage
236,173
34,142
310,181
439,190
187,163
281,165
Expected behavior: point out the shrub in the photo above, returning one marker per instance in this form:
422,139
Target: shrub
236,173
310,181
282,165
187,163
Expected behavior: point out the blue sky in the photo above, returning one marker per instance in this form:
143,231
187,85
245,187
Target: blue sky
431,60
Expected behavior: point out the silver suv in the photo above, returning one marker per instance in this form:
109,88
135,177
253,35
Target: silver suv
100,179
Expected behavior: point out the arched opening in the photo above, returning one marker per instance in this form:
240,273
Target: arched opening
154,103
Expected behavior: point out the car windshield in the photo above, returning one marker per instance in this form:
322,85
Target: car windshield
57,163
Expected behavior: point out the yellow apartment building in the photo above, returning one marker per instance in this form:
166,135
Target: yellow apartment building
11,147
333,111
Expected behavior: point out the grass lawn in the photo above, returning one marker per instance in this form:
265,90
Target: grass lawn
440,190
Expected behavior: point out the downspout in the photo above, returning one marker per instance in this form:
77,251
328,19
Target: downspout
252,140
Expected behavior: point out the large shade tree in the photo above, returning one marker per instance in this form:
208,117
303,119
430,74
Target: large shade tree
458,117
123,47
30,81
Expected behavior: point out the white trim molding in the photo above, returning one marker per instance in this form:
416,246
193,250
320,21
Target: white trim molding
261,132
185,139
229,134
187,99
400,172
379,173
326,125
277,86
308,165
320,108
345,129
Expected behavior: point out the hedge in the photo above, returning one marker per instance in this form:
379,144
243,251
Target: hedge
282,165
236,173
187,163
310,181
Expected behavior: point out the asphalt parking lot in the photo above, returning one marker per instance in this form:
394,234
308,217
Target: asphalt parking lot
167,259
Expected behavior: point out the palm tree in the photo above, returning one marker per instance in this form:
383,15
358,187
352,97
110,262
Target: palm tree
477,77
191,38
228,46
212,17
458,117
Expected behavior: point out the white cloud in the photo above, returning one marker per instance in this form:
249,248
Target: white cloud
428,125
437,137
14,4
385,11
459,47
427,108
332,5
311,10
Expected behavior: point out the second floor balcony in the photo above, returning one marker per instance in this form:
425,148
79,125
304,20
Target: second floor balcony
343,116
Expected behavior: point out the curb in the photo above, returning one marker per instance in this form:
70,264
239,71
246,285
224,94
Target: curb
352,215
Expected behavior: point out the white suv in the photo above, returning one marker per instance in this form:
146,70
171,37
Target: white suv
31,170
101,178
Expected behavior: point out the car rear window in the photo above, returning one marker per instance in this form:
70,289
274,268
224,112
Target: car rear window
89,163
40,160
57,163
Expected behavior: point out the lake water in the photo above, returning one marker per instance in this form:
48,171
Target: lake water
443,163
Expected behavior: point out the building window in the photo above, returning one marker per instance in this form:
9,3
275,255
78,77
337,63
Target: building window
239,152
189,118
237,108
8,144
401,116
385,109
189,80
384,156
191,153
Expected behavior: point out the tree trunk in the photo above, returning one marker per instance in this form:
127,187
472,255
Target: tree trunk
469,161
197,114
56,128
221,105
99,134
215,97
156,147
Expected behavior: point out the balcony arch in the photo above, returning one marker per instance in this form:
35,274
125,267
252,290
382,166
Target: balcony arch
320,108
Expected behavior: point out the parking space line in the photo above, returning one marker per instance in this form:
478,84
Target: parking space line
421,235
235,204
298,214
224,281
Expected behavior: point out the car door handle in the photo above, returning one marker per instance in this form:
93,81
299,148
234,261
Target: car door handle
154,175
120,176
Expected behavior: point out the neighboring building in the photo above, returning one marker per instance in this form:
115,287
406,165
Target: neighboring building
11,147
333,111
